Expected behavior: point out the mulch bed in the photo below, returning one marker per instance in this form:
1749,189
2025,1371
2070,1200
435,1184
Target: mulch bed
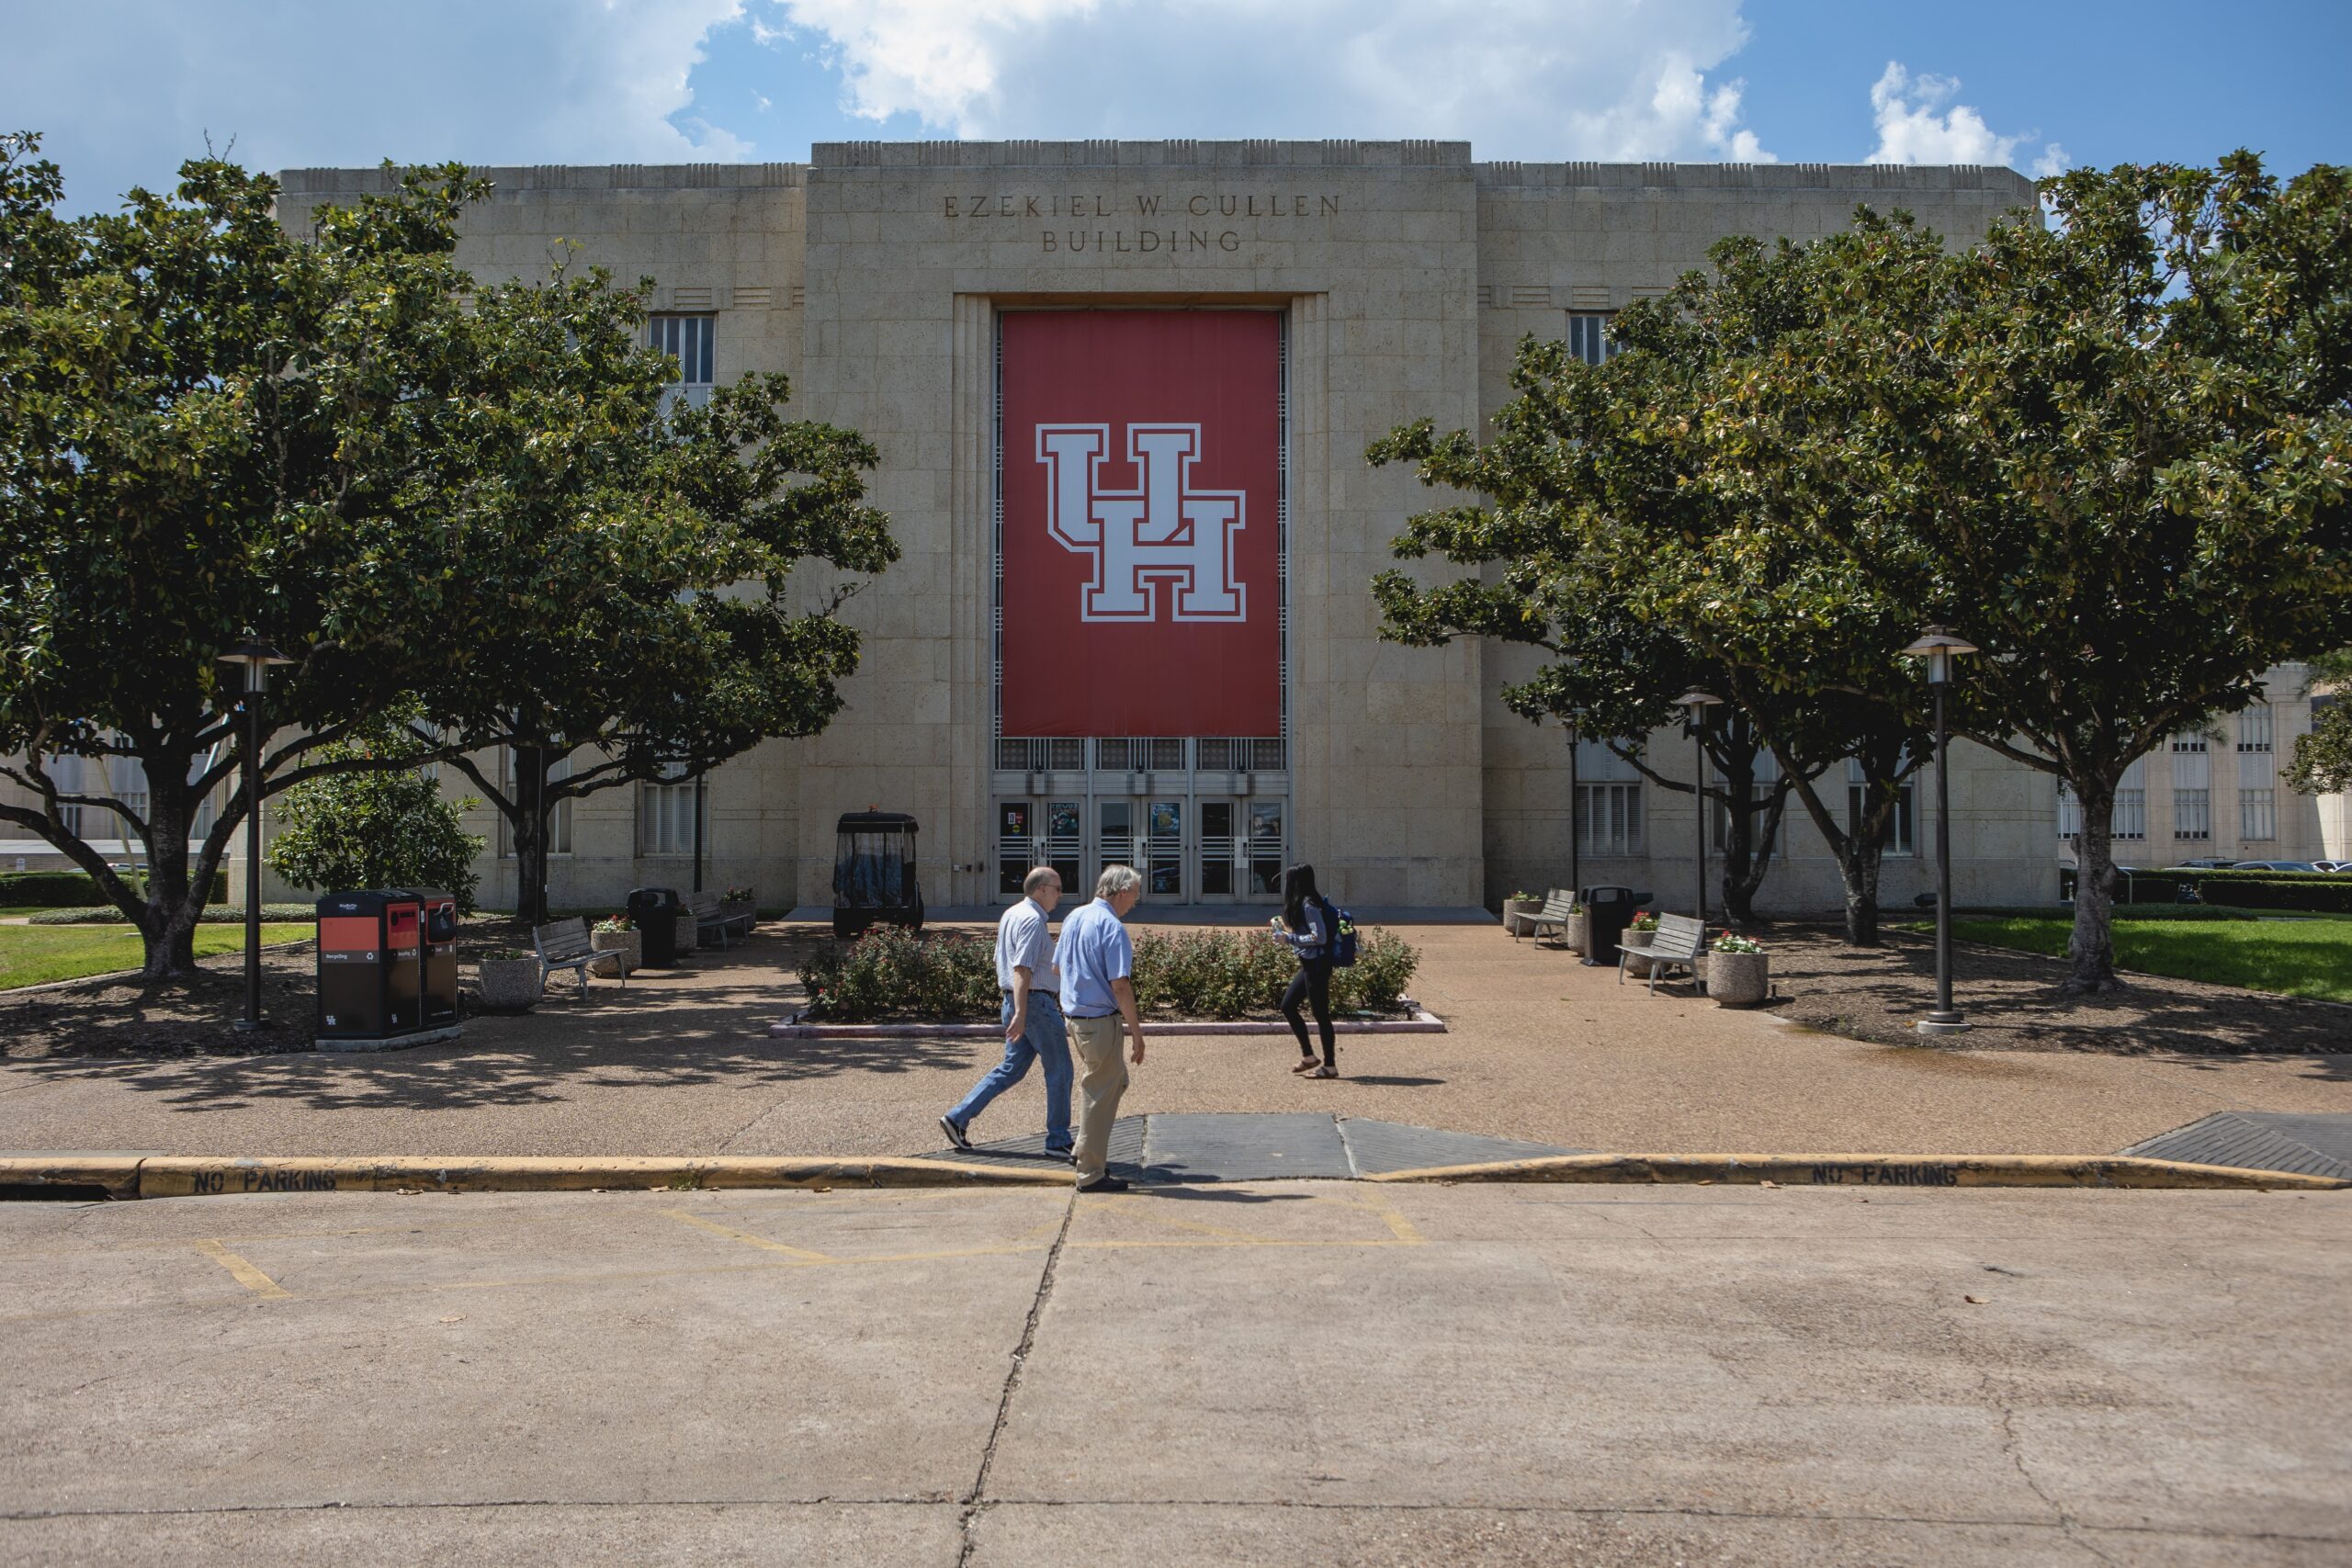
193,1016
2011,999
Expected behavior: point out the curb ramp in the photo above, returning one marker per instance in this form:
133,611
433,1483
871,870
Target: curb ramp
179,1176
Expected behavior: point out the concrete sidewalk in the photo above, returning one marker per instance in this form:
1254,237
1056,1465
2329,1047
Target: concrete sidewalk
1289,1372
1539,1048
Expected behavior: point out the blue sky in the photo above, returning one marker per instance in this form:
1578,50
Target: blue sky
124,89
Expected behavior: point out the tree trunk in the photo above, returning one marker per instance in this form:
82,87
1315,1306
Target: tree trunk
167,914
1749,854
2091,948
1858,866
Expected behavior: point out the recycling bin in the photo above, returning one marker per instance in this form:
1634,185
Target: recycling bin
1608,910
437,948
655,911
372,965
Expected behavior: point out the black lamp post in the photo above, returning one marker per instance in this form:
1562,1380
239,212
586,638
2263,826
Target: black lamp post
1939,647
257,656
1699,702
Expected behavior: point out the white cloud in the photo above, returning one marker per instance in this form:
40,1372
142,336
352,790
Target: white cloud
1910,130
127,90
1518,78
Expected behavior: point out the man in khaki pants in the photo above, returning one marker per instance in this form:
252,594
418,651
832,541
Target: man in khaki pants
1098,965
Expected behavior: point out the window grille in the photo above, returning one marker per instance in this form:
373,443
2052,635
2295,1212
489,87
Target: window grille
2128,820
665,814
2192,813
1609,819
1589,337
1899,837
2258,814
2253,730
2070,812
692,342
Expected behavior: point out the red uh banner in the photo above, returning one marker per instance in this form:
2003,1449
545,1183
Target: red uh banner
1141,470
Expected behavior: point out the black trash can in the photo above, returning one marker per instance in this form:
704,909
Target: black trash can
370,965
1607,910
654,911
438,925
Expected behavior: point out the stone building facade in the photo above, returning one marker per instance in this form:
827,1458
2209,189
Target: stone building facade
1402,276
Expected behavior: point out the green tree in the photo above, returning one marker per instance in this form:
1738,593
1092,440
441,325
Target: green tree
1612,543
629,601
2323,763
375,826
205,426
2108,446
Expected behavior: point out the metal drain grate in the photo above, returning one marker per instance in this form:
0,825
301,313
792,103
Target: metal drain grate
2252,1140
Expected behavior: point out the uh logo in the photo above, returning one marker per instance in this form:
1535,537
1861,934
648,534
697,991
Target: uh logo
1164,531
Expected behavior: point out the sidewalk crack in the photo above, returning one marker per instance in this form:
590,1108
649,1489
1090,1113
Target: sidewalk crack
974,1501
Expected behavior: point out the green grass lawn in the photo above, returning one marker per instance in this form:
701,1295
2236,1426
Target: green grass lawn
2297,958
31,956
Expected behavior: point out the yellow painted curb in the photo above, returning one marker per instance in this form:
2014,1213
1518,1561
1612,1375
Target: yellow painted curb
118,1173
1872,1170
181,1176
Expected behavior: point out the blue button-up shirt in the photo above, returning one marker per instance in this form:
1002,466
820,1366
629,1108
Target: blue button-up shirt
1094,952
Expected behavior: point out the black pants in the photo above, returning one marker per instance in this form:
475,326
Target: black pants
1312,984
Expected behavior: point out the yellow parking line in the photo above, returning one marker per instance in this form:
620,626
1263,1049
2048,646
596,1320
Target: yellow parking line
746,1237
248,1276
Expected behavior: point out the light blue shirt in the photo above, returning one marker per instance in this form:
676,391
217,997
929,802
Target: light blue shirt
1022,943
1094,951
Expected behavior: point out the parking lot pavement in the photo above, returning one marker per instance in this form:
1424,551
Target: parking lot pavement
1295,1372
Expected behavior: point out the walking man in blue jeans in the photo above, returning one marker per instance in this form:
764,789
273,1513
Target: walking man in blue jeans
1033,1016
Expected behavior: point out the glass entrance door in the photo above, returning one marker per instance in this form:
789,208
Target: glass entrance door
1210,850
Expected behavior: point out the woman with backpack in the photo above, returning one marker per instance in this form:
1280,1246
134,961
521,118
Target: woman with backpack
1309,927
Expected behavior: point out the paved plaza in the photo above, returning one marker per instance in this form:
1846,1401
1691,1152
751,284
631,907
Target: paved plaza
1538,1049
1298,1371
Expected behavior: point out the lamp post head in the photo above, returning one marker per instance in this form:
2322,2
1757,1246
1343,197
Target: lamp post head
1939,646
256,656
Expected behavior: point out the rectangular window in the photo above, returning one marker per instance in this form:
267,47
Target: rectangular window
2253,730
2192,813
2258,814
559,815
1897,838
1609,819
2192,787
2130,819
665,814
690,341
1589,337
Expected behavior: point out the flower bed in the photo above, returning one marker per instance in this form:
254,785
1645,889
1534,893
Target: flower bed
890,973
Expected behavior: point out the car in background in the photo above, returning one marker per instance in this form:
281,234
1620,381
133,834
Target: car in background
2207,865
2274,865
2339,866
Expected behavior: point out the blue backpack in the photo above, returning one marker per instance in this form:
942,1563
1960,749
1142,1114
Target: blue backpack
1341,949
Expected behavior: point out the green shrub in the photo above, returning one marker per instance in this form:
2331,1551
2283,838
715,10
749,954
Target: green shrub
217,914
72,889
893,973
2320,892
374,827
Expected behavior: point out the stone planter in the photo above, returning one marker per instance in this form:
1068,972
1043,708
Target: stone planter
739,909
628,947
508,982
1515,913
689,937
1579,935
1635,944
1738,979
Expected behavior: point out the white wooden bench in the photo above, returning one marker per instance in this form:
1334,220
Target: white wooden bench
710,919
565,945
1677,941
1558,905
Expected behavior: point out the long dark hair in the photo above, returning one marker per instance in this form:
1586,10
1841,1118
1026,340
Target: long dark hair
1298,886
